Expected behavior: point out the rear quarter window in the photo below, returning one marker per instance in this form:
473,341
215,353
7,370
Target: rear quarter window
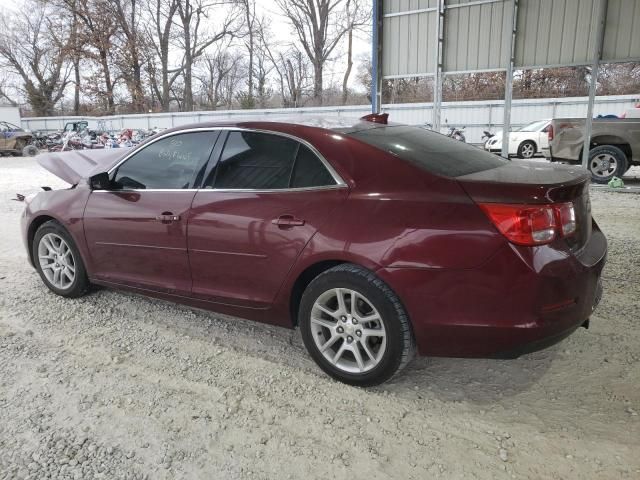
430,151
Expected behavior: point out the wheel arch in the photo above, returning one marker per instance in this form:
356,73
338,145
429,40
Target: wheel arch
614,141
36,223
530,140
303,280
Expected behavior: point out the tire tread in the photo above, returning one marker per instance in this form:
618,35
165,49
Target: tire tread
408,339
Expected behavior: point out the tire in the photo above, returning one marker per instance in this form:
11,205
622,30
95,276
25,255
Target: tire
44,244
390,338
606,162
30,151
527,149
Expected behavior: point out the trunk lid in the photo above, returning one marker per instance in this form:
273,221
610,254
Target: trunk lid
535,183
78,164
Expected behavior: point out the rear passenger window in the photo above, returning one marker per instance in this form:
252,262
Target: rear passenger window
256,161
261,161
309,171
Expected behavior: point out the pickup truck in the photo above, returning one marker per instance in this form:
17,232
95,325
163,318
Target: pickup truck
615,145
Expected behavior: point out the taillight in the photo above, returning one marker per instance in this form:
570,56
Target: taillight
532,225
566,217
550,132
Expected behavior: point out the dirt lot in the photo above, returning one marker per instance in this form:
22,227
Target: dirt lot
115,385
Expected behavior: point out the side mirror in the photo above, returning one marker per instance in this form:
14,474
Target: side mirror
100,181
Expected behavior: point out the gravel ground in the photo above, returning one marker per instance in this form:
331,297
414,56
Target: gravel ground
115,385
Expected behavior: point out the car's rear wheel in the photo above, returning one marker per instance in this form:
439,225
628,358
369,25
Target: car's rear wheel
58,261
355,327
606,162
527,149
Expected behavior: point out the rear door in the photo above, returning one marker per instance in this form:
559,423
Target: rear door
137,231
257,210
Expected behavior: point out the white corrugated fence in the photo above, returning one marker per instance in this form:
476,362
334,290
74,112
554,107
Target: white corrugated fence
476,116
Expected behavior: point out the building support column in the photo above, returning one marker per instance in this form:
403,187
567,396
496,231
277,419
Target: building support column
376,57
438,78
508,86
595,67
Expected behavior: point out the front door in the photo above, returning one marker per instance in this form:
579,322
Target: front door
260,207
137,230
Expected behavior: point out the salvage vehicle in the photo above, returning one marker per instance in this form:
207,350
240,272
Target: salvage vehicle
16,141
524,142
614,146
373,238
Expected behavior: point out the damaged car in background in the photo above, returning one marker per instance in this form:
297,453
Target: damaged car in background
16,141
375,239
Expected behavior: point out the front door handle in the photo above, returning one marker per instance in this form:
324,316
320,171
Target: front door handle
284,221
167,217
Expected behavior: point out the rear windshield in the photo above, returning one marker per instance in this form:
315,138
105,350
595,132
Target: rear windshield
431,151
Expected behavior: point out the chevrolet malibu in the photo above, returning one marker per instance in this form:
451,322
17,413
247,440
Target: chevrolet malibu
375,239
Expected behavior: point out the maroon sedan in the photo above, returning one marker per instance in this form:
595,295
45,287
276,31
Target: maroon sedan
373,239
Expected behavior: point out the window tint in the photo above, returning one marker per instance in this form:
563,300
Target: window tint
255,160
168,163
309,171
429,150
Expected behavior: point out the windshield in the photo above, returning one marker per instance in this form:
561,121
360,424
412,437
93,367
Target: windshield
534,127
431,151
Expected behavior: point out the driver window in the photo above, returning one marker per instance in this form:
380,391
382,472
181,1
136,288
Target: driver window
169,163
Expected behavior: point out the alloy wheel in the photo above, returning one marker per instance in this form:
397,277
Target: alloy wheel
56,261
603,165
348,330
528,150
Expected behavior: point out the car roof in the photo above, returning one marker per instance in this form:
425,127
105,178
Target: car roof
276,123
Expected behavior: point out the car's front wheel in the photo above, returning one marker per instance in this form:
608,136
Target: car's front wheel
355,327
527,149
58,261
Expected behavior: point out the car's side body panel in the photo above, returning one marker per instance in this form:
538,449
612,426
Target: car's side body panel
239,254
129,244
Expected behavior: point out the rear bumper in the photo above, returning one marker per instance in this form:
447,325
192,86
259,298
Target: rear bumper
519,301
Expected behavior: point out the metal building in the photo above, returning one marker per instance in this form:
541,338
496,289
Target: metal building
435,38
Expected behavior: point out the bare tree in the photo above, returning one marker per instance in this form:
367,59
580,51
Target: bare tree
218,67
159,34
33,45
97,33
194,40
357,17
250,25
290,65
319,26
127,14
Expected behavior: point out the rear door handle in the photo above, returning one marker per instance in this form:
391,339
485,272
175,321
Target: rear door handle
167,217
288,221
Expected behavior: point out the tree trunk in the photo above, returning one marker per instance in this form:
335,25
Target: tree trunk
317,82
104,62
345,81
76,87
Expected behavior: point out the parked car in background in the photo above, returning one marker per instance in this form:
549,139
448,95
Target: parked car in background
615,145
372,238
525,142
15,140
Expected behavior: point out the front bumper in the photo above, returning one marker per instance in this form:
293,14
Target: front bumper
521,300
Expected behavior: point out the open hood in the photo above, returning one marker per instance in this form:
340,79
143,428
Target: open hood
78,164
